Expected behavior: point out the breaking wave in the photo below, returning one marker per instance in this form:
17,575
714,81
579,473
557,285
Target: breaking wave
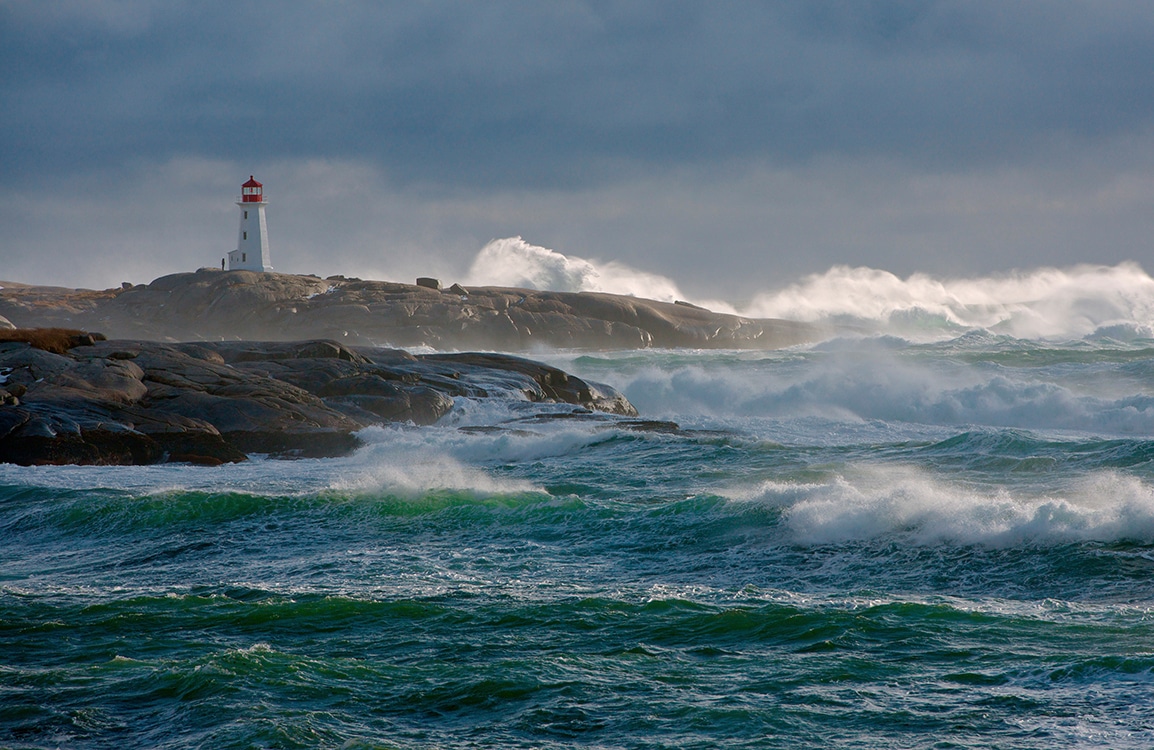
875,502
1047,303
514,262
872,384
1114,302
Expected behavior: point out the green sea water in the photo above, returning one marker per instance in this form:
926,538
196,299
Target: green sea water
868,543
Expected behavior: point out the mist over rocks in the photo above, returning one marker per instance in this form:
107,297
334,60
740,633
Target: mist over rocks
211,304
140,402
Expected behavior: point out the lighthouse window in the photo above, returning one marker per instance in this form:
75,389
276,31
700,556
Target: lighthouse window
244,257
246,214
245,235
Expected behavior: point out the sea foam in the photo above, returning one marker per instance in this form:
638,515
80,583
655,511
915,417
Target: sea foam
874,380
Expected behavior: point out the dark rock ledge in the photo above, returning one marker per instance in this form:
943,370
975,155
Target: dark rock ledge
138,402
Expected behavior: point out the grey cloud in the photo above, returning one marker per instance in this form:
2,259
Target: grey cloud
571,92
722,234
731,145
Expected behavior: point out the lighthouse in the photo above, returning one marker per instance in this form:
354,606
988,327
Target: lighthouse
251,252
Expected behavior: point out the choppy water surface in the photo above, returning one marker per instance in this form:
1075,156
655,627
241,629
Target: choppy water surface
868,542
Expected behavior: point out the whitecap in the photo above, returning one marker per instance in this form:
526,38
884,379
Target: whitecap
903,502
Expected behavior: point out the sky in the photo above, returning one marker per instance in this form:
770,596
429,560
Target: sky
732,147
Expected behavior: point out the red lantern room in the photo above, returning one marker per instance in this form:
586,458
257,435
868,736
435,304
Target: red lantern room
251,252
252,191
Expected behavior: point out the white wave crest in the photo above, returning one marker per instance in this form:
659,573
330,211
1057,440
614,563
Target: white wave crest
1046,303
407,462
513,262
868,381
875,503
1041,303
393,459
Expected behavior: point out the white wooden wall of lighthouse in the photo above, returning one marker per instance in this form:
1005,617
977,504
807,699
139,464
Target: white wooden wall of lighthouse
251,252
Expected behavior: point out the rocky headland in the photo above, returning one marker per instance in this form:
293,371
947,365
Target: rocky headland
69,397
215,305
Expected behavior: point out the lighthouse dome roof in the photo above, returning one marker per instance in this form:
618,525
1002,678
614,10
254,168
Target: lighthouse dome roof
252,183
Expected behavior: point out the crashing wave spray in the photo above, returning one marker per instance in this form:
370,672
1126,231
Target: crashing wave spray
514,262
1044,303
1115,301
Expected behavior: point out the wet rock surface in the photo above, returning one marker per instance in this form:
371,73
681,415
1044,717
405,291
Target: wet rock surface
136,402
243,305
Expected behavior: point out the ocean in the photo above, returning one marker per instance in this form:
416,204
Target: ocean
933,535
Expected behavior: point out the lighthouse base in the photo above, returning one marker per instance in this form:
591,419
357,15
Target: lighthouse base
242,260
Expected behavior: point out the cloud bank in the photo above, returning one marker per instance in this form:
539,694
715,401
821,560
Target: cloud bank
729,146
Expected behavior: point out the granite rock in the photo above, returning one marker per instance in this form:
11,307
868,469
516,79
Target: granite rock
244,305
137,402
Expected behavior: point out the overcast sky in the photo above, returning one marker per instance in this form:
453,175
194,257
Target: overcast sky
732,146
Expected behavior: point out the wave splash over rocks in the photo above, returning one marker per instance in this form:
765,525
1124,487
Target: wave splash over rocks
514,262
1048,303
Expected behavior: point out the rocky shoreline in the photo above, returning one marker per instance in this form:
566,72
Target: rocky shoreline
214,305
94,401
211,366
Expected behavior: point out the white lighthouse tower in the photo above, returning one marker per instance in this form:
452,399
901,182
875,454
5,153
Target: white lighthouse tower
251,252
